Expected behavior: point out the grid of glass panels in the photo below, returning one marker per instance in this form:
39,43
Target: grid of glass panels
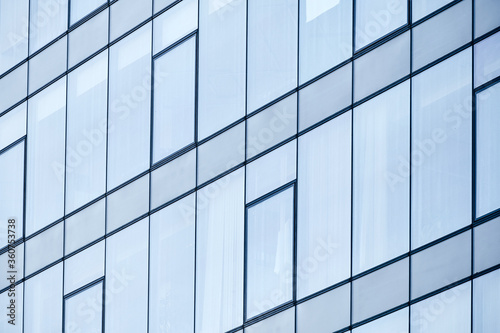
250,166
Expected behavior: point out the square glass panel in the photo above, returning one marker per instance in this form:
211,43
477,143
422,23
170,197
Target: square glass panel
83,311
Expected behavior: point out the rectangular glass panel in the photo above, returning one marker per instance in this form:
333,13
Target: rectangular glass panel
84,227
325,313
174,100
13,33
219,254
381,191
486,16
171,289
486,61
441,149
283,322
441,265
12,125
160,4
9,324
129,106
271,126
11,194
271,171
48,20
221,153
449,311
486,245
81,8
174,24
128,203
324,206
487,150
44,249
325,35
382,66
486,303
422,8
380,291
396,322
88,38
377,18
269,256
272,50
83,311
43,296
14,87
84,267
325,97
173,179
126,268
222,64
442,34
126,14
47,65
46,157
86,132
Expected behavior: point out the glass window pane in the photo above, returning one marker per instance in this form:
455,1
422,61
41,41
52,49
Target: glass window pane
324,206
441,149
271,126
126,267
47,65
486,16
325,35
269,272
222,64
13,33
84,267
126,14
81,8
44,249
45,157
129,106
272,50
17,325
128,203
173,179
160,4
84,227
48,20
83,311
16,254
11,194
488,151
486,62
442,34
396,322
174,100
487,303
441,265
171,290
221,153
382,66
449,311
325,313
43,301
86,132
12,125
88,38
377,18
174,24
487,245
219,254
14,87
381,193
422,8
325,97
283,322
380,291
271,171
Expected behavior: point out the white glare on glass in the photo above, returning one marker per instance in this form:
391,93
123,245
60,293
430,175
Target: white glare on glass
47,65
83,311
45,157
12,125
174,100
171,288
84,227
486,303
126,14
84,267
487,245
272,50
48,20
486,17
14,87
269,271
283,322
13,33
324,206
44,249
396,322
486,60
81,8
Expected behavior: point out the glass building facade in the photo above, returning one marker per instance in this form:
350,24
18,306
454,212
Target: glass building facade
250,166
